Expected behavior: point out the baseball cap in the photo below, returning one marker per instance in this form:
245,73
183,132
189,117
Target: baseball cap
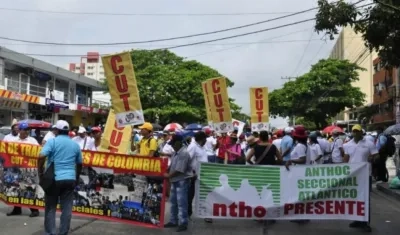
81,130
96,129
23,126
147,126
62,125
288,130
356,127
175,138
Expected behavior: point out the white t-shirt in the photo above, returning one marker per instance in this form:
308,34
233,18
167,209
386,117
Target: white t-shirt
209,146
325,147
49,135
168,149
359,152
197,154
336,155
300,150
313,152
11,138
277,143
27,140
81,142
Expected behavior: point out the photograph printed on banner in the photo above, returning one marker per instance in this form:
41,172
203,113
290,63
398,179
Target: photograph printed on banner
99,192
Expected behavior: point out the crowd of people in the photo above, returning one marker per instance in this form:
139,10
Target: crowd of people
288,147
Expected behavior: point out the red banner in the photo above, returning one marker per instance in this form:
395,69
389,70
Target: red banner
113,187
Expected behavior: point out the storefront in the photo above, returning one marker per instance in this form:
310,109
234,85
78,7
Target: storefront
40,112
66,115
89,116
11,111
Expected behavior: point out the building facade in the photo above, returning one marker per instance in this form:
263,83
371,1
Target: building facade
31,88
350,46
91,66
386,83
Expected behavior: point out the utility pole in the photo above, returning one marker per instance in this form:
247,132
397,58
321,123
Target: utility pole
290,78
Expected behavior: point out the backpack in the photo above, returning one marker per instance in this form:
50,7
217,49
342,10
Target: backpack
390,146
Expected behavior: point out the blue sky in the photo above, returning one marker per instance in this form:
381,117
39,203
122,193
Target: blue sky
243,60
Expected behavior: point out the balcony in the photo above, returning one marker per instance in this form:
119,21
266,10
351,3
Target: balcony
100,104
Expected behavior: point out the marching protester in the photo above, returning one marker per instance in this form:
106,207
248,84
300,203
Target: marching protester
23,137
94,144
178,175
198,154
64,157
233,150
251,143
13,134
287,144
325,147
337,152
210,145
359,149
379,166
82,139
222,145
314,149
264,152
147,146
49,135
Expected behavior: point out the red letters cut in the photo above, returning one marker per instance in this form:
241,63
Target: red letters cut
215,85
115,68
259,103
120,80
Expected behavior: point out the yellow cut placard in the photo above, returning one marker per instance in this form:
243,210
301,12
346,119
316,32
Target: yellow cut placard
123,89
259,108
115,139
219,104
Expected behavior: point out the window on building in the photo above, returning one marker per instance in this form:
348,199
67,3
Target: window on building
77,68
81,94
89,74
63,86
37,87
90,67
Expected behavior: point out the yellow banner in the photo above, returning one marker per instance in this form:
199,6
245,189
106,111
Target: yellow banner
123,89
219,104
259,108
115,139
207,101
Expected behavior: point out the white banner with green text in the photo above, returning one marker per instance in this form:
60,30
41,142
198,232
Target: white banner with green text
323,192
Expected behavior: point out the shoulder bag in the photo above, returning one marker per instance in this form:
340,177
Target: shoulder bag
47,180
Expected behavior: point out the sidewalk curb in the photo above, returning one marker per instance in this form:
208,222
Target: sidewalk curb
386,190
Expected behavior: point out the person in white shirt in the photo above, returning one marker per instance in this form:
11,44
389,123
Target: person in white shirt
359,149
314,149
278,140
210,145
24,137
337,152
94,143
325,147
299,154
49,135
82,140
197,154
13,135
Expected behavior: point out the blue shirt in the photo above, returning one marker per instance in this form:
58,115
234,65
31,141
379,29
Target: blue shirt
66,154
381,141
286,143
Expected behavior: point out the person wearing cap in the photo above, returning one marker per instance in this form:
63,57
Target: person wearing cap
287,144
49,135
359,149
147,146
13,135
94,143
82,139
337,152
24,137
179,175
66,156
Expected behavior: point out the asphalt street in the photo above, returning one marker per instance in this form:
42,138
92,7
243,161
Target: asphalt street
385,220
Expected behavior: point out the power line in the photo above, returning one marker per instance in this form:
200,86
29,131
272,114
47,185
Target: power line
200,42
143,14
160,40
304,53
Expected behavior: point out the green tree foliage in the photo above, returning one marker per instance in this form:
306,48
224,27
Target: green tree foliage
170,87
320,94
377,23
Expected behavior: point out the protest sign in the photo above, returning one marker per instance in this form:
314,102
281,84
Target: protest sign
259,108
115,139
205,86
121,81
217,95
126,197
328,192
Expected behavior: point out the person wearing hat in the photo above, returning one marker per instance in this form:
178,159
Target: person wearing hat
82,139
337,152
49,135
66,155
287,144
94,144
359,149
147,146
179,173
24,137
233,151
299,154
